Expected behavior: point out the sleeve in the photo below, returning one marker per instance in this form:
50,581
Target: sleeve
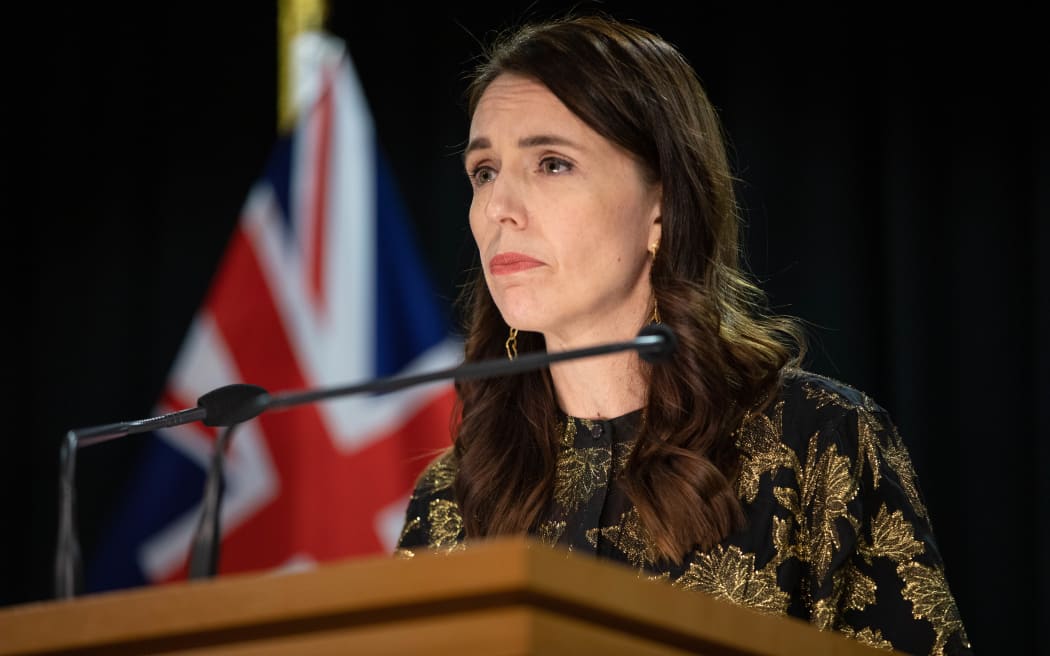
875,572
433,519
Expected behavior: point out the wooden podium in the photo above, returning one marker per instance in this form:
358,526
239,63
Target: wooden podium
499,597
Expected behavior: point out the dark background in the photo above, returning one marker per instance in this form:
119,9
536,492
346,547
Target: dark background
895,180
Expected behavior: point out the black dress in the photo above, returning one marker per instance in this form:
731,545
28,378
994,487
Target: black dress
837,532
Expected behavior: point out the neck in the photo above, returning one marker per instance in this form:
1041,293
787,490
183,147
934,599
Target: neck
598,387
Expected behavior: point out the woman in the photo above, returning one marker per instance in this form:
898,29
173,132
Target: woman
602,201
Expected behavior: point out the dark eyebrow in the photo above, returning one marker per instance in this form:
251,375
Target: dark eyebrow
544,140
481,143
478,143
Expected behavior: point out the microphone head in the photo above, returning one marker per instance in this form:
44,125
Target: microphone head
232,404
661,350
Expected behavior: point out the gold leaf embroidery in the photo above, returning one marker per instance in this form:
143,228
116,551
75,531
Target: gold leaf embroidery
860,589
851,589
438,476
730,574
868,424
631,538
759,440
892,537
446,523
827,488
580,473
824,397
782,540
404,554
568,435
824,614
409,526
927,590
622,452
788,497
895,453
868,429
868,636
550,531
825,611
662,576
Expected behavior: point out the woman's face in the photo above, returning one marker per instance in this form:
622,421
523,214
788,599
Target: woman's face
562,217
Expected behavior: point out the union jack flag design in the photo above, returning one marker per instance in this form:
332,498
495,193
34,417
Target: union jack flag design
320,285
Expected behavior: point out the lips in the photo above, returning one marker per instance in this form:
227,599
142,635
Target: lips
507,263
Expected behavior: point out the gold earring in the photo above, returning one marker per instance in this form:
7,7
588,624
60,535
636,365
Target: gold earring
512,344
655,318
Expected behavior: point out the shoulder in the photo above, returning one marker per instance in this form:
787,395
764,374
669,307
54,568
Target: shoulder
810,414
810,392
814,404
433,518
846,502
437,479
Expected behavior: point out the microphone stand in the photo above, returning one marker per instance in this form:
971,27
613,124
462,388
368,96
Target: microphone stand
224,406
68,569
654,344
227,406
204,556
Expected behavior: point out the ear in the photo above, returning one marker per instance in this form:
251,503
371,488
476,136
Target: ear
655,214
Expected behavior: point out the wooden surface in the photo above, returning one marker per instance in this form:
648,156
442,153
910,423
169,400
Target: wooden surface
496,597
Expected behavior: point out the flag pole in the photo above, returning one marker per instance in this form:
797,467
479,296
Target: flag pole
293,18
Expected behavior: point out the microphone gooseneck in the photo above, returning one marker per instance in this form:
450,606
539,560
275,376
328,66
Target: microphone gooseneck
654,343
233,404
224,406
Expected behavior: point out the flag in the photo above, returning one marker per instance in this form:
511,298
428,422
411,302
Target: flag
321,284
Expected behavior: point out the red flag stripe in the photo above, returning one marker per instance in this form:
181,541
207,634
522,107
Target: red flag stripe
319,217
324,517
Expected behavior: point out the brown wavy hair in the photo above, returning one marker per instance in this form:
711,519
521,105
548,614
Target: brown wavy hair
639,92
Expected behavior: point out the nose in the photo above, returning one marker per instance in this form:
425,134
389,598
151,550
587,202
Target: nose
505,203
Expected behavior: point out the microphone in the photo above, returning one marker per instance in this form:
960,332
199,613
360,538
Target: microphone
224,406
655,343
230,405
662,347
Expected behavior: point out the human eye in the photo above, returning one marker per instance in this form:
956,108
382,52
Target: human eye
481,174
555,165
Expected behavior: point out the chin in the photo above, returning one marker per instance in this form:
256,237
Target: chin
522,322
523,314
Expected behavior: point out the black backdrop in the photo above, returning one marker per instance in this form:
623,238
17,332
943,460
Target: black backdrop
895,177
